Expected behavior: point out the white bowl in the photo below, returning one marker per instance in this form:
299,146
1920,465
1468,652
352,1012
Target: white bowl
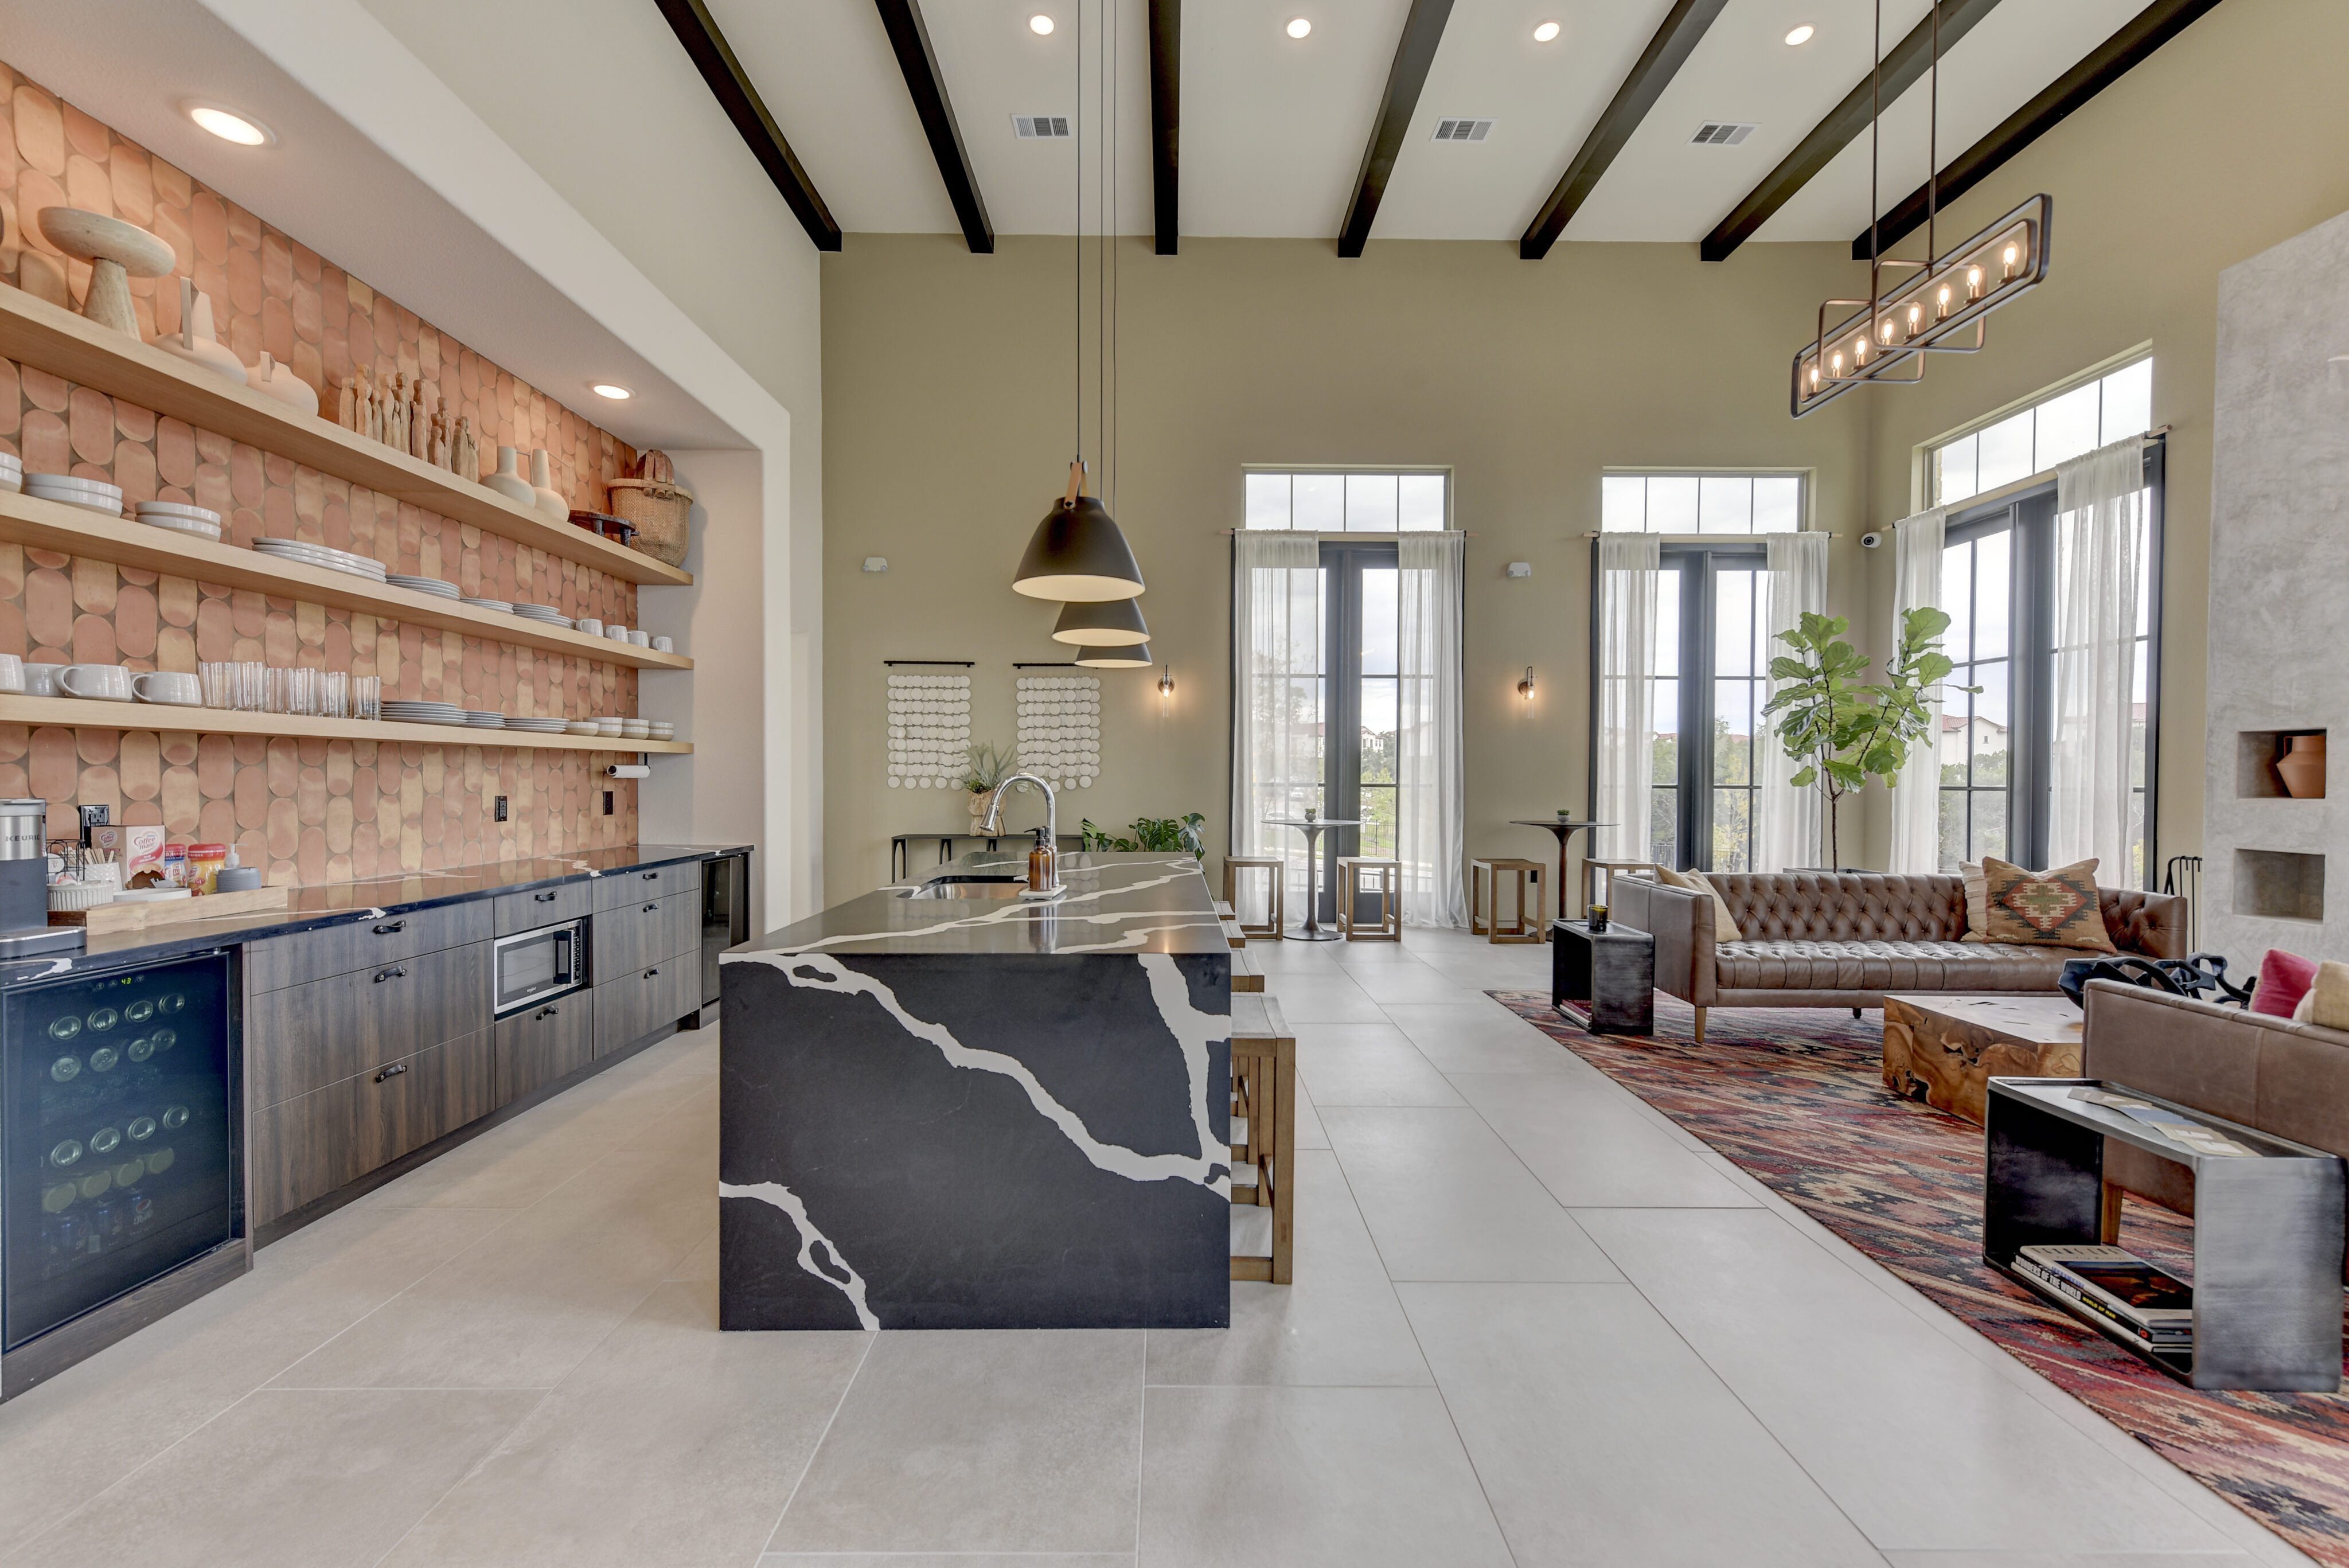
609,726
636,730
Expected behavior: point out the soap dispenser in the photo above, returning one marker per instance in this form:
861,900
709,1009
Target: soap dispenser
1043,866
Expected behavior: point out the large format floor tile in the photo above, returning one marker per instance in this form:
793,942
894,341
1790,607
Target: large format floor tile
302,1478
1376,1066
1592,1149
672,1442
1346,1477
1330,998
1338,1324
1605,1442
1856,1386
978,1441
1446,1199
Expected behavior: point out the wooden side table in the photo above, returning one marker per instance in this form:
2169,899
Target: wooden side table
1485,899
1613,969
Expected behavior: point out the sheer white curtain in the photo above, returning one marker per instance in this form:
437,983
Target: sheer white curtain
1786,819
1628,565
1277,698
1916,798
1430,810
2100,510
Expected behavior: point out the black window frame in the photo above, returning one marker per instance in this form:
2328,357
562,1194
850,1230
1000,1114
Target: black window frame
1343,561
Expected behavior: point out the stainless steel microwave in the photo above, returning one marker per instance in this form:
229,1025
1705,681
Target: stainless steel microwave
532,967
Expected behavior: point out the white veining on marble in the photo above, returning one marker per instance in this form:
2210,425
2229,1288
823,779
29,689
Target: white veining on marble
784,1199
819,971
1013,912
1194,1031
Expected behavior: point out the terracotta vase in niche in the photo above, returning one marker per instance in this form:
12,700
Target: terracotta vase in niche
2302,768
508,480
548,499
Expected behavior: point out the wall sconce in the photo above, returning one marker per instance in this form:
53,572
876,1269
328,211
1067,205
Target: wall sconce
1525,687
1165,688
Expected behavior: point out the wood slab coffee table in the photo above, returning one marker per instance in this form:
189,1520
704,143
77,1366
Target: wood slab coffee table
1944,1049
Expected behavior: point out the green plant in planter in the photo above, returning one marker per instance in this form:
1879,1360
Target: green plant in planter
1152,833
984,768
1844,732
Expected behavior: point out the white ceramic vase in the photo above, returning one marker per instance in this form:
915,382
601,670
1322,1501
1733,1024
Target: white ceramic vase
196,342
542,485
508,480
279,382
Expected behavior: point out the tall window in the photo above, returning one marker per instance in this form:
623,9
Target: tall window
1329,503
2096,413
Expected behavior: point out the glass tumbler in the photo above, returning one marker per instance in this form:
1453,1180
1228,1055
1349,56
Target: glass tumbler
367,696
333,694
251,686
219,684
302,692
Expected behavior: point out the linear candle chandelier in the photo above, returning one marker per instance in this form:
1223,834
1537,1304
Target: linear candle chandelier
1940,309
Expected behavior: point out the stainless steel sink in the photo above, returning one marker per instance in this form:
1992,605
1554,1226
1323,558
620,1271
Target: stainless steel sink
970,888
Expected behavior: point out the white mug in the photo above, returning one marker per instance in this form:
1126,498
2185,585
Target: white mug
103,682
590,625
173,686
641,639
664,644
12,672
41,680
617,633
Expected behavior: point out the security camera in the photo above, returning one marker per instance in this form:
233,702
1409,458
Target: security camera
1870,541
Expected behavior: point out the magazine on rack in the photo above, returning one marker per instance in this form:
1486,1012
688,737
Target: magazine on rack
2154,1305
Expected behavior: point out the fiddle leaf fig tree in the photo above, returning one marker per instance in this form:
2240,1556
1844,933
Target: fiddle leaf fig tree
1843,730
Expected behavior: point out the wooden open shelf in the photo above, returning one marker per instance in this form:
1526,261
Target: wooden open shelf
86,713
56,339
79,531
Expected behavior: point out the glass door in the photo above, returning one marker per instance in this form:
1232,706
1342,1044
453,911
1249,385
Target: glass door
1711,678
118,1136
1363,587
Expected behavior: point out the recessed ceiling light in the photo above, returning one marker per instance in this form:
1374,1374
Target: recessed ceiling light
1298,28
1039,24
611,389
1546,32
1801,34
230,126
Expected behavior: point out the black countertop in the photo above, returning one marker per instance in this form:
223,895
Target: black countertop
1135,903
339,903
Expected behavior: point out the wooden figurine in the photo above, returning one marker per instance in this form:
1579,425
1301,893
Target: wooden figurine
465,454
371,405
394,414
346,405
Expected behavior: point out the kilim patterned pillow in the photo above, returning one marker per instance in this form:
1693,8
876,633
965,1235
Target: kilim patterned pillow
2054,909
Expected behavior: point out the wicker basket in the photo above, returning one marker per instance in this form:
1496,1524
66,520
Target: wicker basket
657,512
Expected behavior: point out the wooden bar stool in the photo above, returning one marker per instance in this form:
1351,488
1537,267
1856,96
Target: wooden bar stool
1590,869
1485,899
1263,1091
1386,884
1276,871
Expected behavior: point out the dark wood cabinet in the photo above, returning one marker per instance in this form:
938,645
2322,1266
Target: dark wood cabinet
419,1097
537,1048
280,961
628,937
684,923
303,1037
634,1005
306,1147
641,885
528,911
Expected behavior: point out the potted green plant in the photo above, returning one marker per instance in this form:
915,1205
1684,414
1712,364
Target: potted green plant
1843,730
1159,833
984,768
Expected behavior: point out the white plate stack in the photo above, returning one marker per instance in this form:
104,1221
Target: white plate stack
422,713
434,585
12,472
489,604
547,614
320,555
477,719
94,494
536,726
201,521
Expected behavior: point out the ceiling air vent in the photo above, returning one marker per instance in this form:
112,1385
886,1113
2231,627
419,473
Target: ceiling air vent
1046,126
1463,130
1721,134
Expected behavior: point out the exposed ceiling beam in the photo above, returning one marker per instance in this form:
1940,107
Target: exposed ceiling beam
730,85
1165,116
1423,30
2105,64
910,40
1904,65
1661,61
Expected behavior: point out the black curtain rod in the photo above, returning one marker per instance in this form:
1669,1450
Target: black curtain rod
964,664
1045,664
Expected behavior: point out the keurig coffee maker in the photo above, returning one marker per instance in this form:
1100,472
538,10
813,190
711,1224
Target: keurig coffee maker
24,928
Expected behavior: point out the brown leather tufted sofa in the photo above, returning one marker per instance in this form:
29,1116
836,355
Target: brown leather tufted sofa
1826,939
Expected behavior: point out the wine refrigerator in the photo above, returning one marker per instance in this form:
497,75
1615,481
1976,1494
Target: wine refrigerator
122,1142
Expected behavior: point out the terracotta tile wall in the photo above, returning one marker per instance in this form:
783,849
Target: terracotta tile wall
309,811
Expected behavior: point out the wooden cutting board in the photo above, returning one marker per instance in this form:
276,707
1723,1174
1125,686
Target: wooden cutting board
144,913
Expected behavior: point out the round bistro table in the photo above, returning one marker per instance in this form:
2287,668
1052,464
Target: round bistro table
1311,931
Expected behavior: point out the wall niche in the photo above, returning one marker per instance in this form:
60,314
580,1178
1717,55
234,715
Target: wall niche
2279,885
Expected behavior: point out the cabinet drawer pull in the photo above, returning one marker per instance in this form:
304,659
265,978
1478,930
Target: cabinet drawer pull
542,897
394,1071
652,876
548,1012
650,972
652,908
397,972
390,927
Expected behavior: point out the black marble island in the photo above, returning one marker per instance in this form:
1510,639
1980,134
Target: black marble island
944,1107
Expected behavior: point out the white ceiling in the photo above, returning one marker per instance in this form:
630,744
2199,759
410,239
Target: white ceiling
1272,130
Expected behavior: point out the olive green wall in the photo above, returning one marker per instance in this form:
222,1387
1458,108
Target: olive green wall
949,411
2235,136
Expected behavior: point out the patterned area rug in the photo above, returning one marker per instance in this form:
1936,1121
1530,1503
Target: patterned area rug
1797,1098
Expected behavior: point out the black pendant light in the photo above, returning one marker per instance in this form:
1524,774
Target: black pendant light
1079,554
1135,658
1106,623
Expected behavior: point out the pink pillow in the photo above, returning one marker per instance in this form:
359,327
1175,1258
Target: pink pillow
2284,978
